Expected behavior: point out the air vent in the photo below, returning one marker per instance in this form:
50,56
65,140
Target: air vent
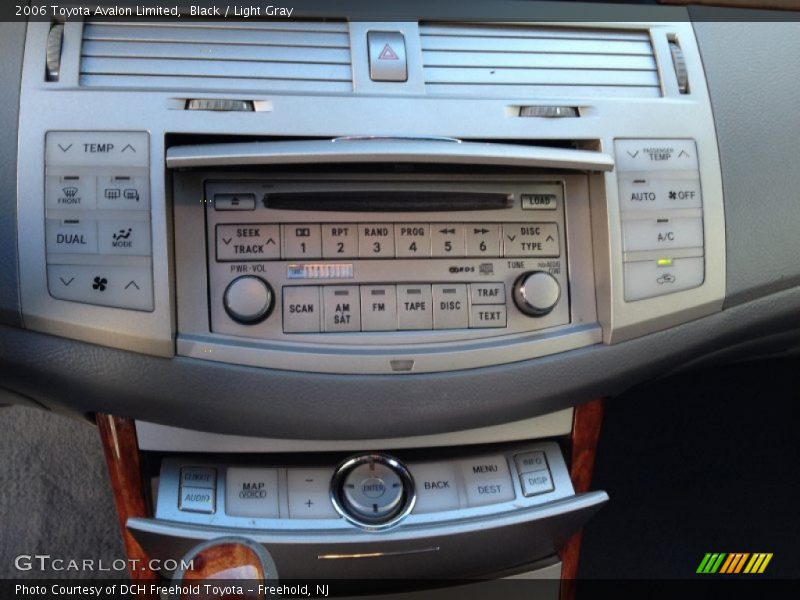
539,62
220,56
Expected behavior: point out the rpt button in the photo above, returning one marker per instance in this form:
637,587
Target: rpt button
487,480
248,242
340,240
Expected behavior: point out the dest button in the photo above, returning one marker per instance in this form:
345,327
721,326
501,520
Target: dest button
251,492
487,480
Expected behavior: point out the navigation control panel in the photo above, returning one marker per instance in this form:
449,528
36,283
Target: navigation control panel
372,491
356,261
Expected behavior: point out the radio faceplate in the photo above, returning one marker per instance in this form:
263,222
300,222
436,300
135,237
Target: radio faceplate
336,275
419,306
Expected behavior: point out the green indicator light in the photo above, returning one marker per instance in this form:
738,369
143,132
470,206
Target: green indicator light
664,262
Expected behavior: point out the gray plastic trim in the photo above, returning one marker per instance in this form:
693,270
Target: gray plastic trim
211,396
754,95
12,44
383,149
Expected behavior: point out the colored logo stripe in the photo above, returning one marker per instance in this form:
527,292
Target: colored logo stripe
733,563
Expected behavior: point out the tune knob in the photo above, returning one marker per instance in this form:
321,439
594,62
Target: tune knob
536,293
248,299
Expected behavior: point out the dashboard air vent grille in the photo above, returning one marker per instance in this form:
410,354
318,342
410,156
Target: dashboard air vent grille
537,62
262,57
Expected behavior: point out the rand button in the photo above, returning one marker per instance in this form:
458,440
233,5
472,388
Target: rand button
376,240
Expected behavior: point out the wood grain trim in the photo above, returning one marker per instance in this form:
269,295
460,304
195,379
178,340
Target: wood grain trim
581,451
125,473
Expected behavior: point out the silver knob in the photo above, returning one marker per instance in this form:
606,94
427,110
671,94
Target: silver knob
536,293
248,299
374,491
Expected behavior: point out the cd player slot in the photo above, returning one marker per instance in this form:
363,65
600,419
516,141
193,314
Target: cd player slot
387,201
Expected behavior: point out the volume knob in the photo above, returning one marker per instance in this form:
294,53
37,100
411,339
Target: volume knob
248,299
536,293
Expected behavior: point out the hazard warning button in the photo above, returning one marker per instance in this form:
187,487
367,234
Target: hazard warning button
387,56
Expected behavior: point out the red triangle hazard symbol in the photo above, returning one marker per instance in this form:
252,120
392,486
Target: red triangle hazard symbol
387,53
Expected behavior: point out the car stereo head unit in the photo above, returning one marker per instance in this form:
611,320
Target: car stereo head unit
383,272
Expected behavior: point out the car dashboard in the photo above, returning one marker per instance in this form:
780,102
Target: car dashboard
352,287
